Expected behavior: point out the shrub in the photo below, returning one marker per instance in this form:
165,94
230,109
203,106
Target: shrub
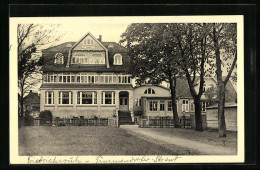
28,119
45,117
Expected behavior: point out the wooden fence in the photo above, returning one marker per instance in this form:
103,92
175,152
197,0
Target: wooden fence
72,122
166,122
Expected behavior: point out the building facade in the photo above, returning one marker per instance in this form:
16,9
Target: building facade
91,78
87,78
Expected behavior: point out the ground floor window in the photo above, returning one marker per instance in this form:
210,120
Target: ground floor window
153,105
49,97
138,102
185,105
84,97
169,105
108,98
65,97
161,105
192,107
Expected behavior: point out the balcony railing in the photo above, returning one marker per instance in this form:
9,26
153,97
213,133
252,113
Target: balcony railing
86,78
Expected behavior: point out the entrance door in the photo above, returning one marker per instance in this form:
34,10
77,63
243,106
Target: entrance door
123,103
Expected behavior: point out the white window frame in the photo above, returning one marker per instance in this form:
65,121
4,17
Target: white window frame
169,107
56,56
138,102
162,104
152,91
60,93
154,105
185,105
192,107
113,97
118,59
47,97
79,97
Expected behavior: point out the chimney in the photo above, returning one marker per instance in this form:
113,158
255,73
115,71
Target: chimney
100,38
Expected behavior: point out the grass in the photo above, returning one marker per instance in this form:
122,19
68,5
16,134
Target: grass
210,137
87,140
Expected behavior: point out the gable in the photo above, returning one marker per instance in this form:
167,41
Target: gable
89,43
158,90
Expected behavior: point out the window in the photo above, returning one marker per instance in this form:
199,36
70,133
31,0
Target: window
203,106
161,105
185,105
87,97
169,105
153,105
124,79
49,97
149,91
88,41
65,98
192,107
138,102
58,58
117,59
108,98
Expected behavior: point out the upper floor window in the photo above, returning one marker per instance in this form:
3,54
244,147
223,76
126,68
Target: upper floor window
88,41
149,91
117,59
59,58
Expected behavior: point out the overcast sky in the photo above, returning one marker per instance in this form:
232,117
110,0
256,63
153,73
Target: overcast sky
109,32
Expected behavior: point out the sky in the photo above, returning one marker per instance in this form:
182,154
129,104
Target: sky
111,28
109,32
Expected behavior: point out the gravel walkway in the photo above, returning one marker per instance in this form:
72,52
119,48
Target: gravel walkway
186,143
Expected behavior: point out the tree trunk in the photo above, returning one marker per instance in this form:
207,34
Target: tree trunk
221,87
221,109
198,119
174,106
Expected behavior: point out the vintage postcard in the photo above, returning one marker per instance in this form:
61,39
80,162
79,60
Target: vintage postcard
127,90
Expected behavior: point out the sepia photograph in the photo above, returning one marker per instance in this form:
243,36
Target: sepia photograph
126,89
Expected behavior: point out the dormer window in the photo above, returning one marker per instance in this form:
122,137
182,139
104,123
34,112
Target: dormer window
149,91
110,46
59,58
88,41
117,59
68,45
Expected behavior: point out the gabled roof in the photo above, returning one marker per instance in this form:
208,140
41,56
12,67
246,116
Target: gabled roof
59,48
116,47
92,37
183,90
49,53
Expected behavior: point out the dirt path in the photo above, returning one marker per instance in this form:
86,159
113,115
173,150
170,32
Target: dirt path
191,144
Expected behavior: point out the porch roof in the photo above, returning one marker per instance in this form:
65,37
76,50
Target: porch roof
88,86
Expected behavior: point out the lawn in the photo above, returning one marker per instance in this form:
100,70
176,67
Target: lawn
87,140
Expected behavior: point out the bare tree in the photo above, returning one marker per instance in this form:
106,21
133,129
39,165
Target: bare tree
30,38
224,43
